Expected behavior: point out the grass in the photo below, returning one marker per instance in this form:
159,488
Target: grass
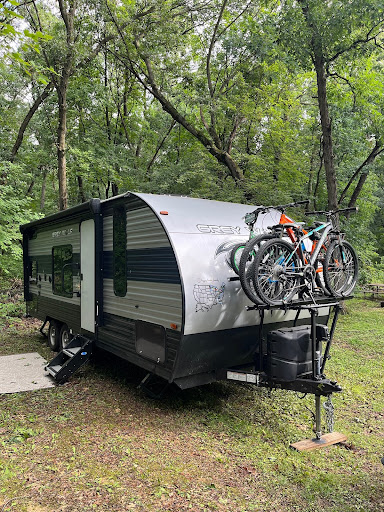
97,443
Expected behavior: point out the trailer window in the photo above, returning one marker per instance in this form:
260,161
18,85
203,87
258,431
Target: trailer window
119,251
62,274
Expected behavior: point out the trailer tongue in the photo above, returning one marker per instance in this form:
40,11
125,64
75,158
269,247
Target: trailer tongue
294,360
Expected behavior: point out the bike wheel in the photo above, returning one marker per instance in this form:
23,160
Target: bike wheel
246,266
275,277
234,257
340,268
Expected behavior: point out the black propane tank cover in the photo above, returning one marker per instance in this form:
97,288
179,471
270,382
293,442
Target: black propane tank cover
289,353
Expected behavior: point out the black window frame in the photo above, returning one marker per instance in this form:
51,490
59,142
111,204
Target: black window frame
119,267
58,273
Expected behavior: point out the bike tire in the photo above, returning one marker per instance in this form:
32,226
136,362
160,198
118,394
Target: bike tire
275,282
234,257
340,269
246,266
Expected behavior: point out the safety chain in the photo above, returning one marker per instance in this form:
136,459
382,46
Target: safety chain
329,413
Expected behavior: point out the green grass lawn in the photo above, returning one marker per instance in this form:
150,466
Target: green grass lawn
97,443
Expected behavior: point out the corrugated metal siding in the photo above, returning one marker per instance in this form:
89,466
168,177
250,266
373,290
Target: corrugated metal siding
108,233
159,303
44,289
40,249
55,307
157,265
118,336
154,291
172,344
117,333
44,241
143,231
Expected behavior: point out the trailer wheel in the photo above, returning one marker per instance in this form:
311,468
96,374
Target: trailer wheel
65,336
54,335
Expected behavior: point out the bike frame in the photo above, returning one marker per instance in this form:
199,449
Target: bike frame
327,227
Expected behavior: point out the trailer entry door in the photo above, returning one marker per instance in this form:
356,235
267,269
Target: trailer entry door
87,266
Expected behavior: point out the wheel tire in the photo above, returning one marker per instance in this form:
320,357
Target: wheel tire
319,268
54,335
246,266
319,278
340,279
271,287
65,336
234,257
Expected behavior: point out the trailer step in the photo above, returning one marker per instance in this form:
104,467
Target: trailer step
53,369
71,351
70,359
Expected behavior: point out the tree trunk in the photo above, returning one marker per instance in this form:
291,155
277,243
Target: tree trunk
115,189
326,127
62,88
43,187
326,124
358,189
61,146
29,191
81,188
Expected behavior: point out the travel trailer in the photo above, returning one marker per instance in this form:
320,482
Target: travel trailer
148,278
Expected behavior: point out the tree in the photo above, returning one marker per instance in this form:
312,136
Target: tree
207,102
331,31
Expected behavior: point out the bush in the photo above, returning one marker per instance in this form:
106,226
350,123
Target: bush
11,299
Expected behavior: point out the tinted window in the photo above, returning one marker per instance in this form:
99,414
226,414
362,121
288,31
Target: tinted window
119,251
62,274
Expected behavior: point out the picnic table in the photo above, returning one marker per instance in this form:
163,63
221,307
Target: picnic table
373,289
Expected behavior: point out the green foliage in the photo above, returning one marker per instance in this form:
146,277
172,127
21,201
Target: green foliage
17,41
15,209
260,102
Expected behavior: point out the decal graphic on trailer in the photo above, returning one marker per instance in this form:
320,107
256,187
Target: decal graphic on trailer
226,248
208,295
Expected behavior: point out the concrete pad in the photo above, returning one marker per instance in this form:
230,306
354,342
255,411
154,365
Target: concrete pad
23,372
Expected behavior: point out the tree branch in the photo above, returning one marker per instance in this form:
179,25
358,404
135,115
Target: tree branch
369,37
160,145
370,158
38,101
211,46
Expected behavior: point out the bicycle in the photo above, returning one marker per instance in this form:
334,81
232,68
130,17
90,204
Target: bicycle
282,270
243,254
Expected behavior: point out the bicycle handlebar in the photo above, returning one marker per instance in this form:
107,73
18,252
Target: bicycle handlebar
333,212
263,209
284,206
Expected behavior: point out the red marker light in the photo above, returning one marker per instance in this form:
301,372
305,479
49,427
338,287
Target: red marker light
163,212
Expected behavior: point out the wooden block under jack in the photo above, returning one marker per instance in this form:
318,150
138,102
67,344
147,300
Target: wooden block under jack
313,444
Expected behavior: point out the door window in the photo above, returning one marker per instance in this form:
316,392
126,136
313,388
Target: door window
62,274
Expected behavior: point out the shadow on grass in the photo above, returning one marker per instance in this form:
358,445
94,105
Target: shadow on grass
206,400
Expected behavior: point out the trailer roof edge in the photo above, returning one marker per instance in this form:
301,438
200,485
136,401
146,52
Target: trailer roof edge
92,206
